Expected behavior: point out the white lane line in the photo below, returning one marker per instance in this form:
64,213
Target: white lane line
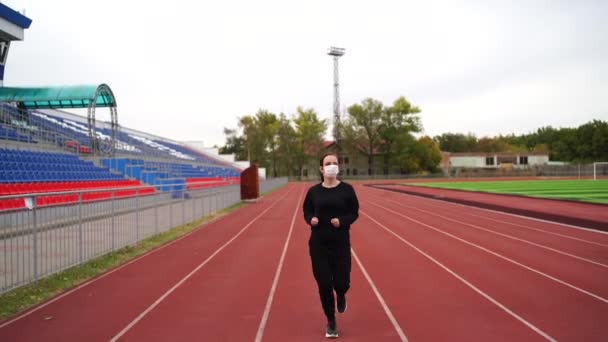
467,283
387,310
85,284
517,224
504,213
178,284
537,229
277,275
502,234
602,299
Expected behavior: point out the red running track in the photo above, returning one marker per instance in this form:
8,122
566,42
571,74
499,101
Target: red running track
592,215
423,270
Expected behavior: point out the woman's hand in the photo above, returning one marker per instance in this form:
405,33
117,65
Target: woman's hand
314,221
335,222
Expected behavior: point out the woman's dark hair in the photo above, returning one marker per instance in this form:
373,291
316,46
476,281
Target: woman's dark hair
325,155
321,162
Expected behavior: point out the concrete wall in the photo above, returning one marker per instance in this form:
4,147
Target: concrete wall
538,160
469,161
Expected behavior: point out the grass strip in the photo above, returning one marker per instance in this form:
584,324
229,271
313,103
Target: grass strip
20,299
578,190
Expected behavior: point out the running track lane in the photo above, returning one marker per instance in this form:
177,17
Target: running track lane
224,300
589,236
560,311
362,302
428,302
579,213
554,255
99,310
296,313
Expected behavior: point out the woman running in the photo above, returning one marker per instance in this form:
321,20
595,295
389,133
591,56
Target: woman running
330,208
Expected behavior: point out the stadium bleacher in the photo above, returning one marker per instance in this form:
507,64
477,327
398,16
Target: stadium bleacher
127,142
34,172
11,134
161,174
29,172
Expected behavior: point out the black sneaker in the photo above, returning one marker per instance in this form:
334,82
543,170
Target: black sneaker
341,303
331,331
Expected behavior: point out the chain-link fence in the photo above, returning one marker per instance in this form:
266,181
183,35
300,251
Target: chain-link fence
42,238
582,171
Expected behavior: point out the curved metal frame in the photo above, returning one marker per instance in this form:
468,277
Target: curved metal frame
97,146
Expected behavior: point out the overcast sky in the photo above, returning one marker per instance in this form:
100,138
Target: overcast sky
186,69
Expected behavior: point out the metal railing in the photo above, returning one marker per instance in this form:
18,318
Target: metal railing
317,178
581,171
37,241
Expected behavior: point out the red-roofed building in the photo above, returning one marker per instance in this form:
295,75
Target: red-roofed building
350,164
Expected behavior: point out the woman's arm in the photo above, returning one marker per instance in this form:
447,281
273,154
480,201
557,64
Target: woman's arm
353,208
309,208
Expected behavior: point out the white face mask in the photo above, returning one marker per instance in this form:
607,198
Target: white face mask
331,170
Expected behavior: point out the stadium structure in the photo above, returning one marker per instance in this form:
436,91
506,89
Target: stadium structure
73,187
45,148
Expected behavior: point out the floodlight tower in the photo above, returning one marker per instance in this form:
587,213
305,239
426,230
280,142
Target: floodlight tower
336,53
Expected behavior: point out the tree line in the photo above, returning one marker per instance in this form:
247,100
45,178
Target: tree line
389,138
586,143
285,145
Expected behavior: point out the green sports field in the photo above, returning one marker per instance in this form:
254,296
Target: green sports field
595,191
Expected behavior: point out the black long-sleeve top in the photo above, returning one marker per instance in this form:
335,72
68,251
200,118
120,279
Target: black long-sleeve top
327,203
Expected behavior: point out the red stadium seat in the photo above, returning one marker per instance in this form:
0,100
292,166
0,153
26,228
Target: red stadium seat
53,187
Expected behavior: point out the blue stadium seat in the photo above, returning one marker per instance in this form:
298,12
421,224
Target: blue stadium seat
71,167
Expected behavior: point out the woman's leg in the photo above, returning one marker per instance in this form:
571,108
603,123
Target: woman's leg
320,259
340,265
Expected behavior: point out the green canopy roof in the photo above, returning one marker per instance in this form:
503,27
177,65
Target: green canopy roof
59,97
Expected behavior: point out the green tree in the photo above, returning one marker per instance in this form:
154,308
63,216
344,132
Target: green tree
286,142
419,155
253,139
408,150
492,144
583,144
563,146
429,155
309,131
259,133
456,142
396,121
541,148
366,119
234,144
352,138
268,126
592,141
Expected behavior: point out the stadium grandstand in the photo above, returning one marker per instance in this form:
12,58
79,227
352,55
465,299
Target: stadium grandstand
73,187
44,148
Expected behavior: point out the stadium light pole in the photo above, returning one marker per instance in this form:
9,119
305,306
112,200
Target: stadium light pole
336,53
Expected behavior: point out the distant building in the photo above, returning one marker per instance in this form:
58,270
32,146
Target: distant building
351,164
493,160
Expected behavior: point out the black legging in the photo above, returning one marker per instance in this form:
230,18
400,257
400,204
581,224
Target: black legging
331,264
